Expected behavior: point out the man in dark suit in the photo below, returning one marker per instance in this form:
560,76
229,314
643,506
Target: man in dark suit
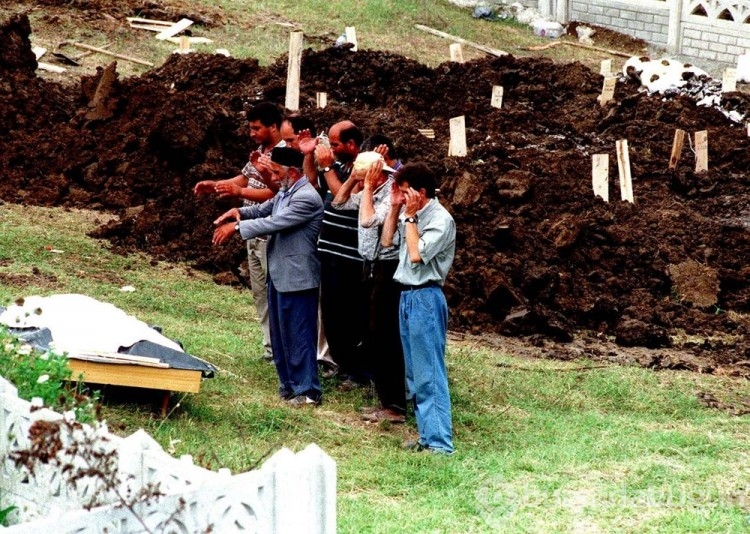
292,220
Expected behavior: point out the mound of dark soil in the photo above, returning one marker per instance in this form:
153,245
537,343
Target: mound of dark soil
537,252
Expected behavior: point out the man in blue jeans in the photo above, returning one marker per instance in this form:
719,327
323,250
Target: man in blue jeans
426,235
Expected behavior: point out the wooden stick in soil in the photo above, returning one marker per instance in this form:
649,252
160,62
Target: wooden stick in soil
623,166
497,97
458,137
485,49
701,151
293,70
600,175
457,53
113,54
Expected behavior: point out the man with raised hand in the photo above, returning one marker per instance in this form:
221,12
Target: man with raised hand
426,235
292,221
253,186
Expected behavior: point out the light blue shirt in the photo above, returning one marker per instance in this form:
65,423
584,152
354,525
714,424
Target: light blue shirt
437,247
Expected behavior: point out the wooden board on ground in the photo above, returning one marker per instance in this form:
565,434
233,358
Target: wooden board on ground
429,133
191,40
174,29
485,49
108,53
50,68
138,20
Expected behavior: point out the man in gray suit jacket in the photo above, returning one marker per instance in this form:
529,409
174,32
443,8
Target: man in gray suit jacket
292,221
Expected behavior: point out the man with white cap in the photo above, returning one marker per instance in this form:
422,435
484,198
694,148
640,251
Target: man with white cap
382,342
292,221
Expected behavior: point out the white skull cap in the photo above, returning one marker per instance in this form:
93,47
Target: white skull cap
365,160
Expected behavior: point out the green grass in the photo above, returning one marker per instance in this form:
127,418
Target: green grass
542,446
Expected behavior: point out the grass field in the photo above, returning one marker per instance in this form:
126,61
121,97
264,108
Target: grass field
542,446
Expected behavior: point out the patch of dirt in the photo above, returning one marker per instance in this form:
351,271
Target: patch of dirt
538,255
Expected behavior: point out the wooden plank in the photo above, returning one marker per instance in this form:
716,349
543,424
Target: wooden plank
605,69
157,29
729,81
166,23
188,380
600,175
174,29
485,49
321,99
293,70
623,167
50,68
458,137
701,151
108,53
608,91
457,53
351,37
679,141
429,133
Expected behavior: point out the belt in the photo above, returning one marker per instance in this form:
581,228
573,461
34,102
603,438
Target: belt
420,286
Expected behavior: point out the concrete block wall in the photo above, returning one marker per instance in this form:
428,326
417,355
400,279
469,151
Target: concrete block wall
645,20
718,41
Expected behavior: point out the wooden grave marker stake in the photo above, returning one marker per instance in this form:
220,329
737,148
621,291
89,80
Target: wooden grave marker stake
608,90
458,137
497,97
679,140
321,99
606,68
748,129
293,71
623,167
701,151
729,81
184,44
351,37
600,175
457,53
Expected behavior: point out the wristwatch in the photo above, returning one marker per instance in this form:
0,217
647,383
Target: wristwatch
237,227
326,169
411,220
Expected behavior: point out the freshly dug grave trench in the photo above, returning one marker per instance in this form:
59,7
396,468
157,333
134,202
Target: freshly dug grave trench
537,253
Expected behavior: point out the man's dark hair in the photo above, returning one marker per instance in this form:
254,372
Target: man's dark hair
267,113
418,176
300,123
352,133
374,141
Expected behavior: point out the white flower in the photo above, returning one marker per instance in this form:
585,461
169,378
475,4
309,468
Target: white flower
42,379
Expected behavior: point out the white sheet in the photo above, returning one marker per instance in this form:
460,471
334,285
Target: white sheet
82,324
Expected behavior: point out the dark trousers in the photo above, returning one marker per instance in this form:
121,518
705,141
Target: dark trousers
343,308
294,338
383,343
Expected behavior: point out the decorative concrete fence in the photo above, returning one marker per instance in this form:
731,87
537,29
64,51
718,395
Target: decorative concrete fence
288,493
711,30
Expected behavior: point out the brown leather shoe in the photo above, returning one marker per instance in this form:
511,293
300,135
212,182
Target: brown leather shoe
384,414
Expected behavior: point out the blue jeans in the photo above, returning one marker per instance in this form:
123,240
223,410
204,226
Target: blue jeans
294,337
423,321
